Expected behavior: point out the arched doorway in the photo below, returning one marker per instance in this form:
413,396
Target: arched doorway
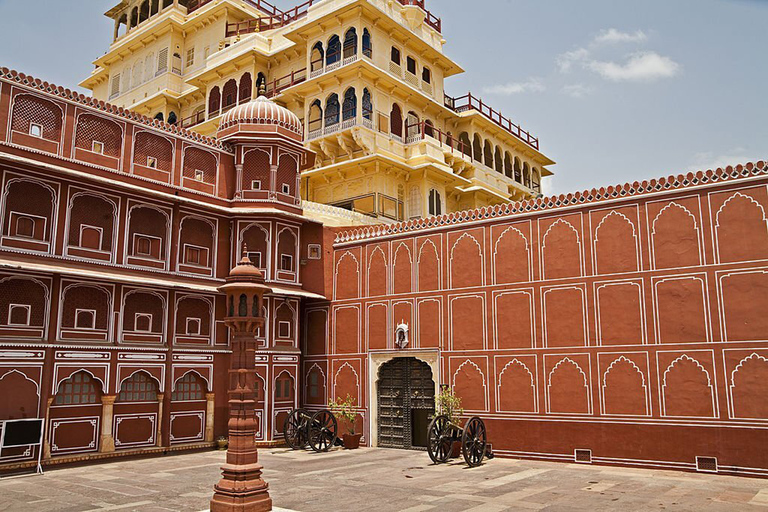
406,400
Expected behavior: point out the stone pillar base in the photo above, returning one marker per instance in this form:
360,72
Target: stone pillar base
241,489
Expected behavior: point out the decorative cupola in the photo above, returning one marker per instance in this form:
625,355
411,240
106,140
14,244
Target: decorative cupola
245,291
269,153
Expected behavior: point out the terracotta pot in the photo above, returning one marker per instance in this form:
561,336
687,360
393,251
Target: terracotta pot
456,450
351,441
222,443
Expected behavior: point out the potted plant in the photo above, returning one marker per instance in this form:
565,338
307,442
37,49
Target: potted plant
449,404
222,442
345,410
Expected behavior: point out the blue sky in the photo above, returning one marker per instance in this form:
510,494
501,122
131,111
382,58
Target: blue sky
615,91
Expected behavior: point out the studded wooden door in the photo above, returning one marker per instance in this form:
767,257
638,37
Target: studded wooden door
406,399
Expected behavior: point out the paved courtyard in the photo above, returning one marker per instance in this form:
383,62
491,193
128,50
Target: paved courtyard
380,480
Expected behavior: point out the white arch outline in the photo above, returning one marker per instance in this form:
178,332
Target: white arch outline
402,245
511,229
544,246
570,361
357,381
614,213
485,387
336,274
480,253
516,362
323,382
418,264
686,211
682,358
368,271
604,385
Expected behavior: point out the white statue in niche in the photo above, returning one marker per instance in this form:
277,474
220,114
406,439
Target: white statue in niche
401,335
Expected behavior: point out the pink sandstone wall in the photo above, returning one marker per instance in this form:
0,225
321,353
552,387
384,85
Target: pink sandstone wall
629,321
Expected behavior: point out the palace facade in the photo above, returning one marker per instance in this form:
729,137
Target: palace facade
623,325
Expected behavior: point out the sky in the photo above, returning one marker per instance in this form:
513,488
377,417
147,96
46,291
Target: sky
615,91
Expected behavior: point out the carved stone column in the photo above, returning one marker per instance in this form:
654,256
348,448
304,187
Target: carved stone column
47,440
107,439
159,435
209,412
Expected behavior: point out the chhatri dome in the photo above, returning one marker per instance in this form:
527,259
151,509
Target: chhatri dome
261,116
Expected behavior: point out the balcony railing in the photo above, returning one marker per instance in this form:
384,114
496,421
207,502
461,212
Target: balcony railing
431,20
253,26
469,102
277,85
261,5
193,120
421,130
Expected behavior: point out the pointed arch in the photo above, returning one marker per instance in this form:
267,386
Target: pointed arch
741,230
402,269
511,257
466,262
749,388
568,388
675,238
561,251
687,389
625,391
468,382
616,245
428,272
517,388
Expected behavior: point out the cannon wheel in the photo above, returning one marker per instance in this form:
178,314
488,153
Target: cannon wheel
295,429
474,441
323,431
440,435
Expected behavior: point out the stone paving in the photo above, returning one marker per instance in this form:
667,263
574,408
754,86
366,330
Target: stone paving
381,480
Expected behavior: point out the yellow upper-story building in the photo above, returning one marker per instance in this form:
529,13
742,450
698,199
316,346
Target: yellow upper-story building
366,77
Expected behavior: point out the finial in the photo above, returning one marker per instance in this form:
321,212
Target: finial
245,250
262,89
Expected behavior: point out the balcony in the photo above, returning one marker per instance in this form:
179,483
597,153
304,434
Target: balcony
430,19
469,102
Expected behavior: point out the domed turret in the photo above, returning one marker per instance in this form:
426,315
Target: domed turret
258,118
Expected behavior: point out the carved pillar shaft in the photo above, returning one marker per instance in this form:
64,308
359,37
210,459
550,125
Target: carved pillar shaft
159,435
107,412
47,439
209,412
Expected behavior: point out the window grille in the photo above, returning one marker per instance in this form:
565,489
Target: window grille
79,389
139,387
190,57
188,388
162,61
37,117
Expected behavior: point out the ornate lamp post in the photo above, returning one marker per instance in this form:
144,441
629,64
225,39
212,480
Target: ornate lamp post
241,487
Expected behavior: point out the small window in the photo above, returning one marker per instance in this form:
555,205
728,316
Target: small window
256,185
25,227
286,262
152,162
36,130
143,246
193,327
435,203
19,314
286,188
314,251
426,75
284,329
193,256
190,57
255,257
143,322
85,319
411,65
98,147
314,387
91,237
199,175
395,55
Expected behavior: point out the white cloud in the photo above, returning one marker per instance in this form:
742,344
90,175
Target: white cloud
639,67
615,36
530,85
565,61
576,90
709,160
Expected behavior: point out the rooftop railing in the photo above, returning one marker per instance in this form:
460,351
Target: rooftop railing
469,102
421,130
277,85
431,20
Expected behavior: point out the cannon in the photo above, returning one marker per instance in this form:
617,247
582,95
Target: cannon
473,436
318,430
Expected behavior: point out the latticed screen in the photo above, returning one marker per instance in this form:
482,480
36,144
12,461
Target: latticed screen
150,146
256,239
246,87
196,232
192,307
139,387
146,305
256,167
85,298
229,93
93,211
92,129
147,221
198,160
28,197
286,175
79,389
25,292
284,388
188,388
30,109
214,101
286,246
314,385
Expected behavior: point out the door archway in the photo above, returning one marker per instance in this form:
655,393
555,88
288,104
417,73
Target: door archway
406,400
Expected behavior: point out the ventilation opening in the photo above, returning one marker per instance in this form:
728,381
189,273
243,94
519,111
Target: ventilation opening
706,464
583,456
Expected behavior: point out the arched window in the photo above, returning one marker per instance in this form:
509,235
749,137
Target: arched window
414,203
350,43
79,389
334,51
246,88
214,101
498,162
144,11
536,180
367,105
477,148
395,56
139,387
367,44
410,65
488,154
508,165
284,387
332,110
412,125
229,93
396,120
518,171
429,128
466,145
134,17
315,116
350,104
435,203
155,7
243,307
526,175
261,83
189,387
316,57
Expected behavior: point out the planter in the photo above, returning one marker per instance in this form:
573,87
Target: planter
352,441
222,443
456,450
